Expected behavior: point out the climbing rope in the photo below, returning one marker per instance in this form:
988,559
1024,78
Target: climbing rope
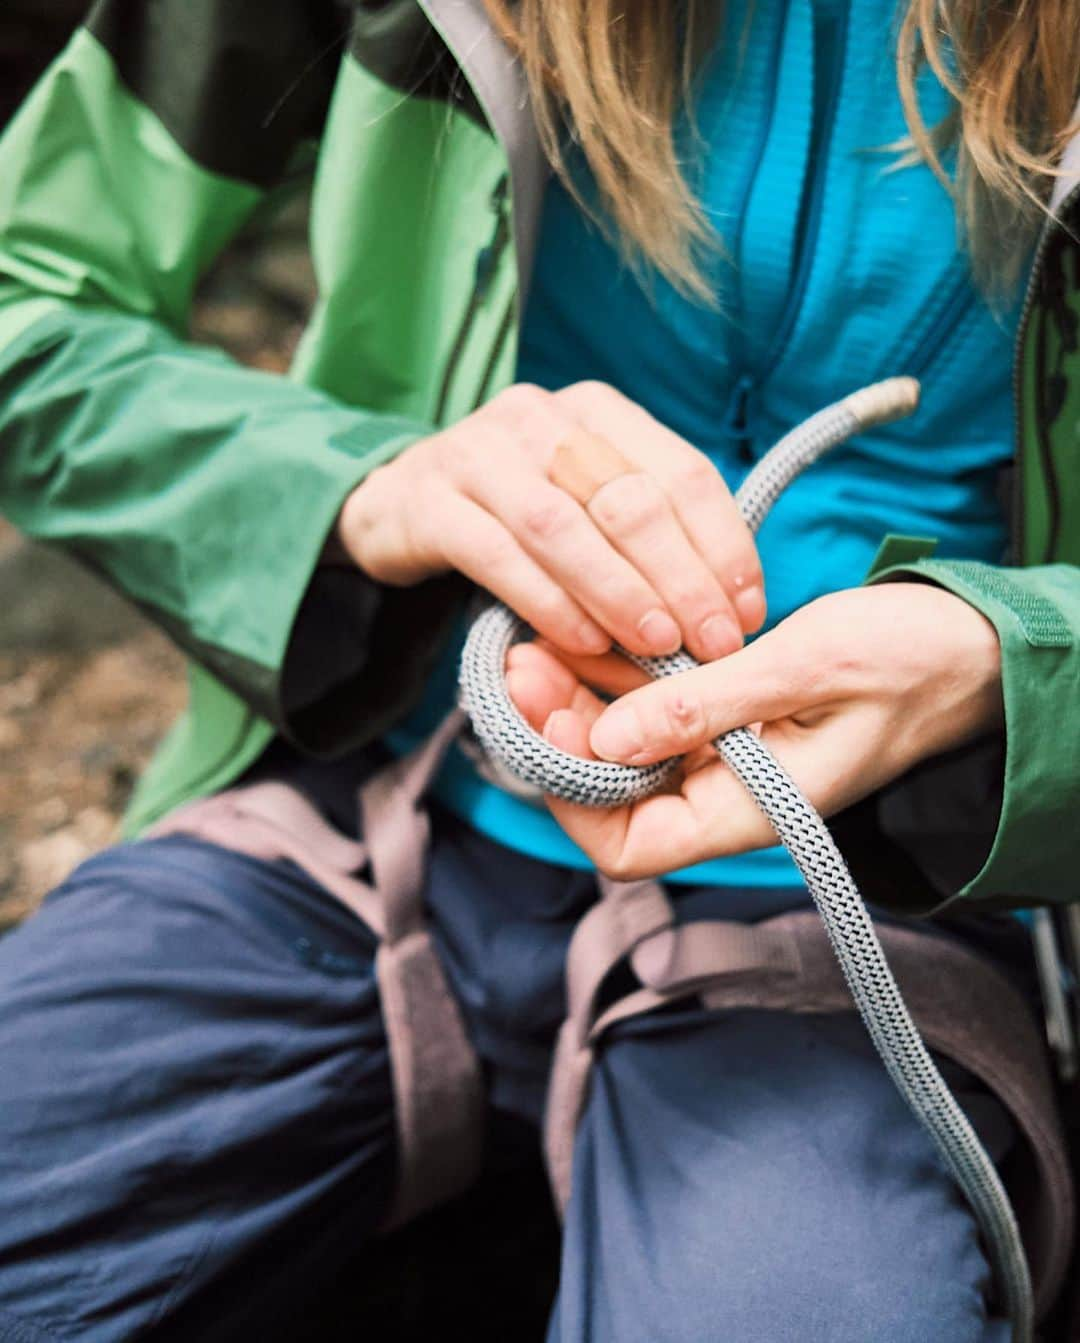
509,740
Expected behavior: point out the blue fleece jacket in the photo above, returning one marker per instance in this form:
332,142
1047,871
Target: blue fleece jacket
837,269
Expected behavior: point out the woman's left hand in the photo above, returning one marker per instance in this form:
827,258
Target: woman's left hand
848,693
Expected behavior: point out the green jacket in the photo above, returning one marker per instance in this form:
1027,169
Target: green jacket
205,491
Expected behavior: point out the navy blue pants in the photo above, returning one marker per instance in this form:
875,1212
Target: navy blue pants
196,1106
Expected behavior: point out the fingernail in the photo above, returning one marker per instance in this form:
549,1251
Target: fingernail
660,632
550,730
750,606
719,636
512,683
616,734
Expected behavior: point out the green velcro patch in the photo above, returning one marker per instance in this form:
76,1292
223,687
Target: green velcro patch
1042,623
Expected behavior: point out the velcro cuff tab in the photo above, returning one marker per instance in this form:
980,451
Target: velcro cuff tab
897,550
1042,623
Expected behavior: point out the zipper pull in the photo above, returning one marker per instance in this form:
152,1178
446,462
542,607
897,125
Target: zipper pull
488,256
735,422
487,261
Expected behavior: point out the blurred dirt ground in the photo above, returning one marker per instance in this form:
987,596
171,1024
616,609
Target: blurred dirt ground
87,686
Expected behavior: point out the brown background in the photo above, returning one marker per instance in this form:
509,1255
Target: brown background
87,687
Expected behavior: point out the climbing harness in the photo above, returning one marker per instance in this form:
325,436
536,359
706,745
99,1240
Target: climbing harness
509,740
965,1008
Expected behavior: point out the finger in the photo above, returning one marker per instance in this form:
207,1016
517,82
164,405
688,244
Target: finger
609,672
541,685
541,658
482,549
631,514
632,509
636,515
650,837
769,679
553,526
536,696
699,496
598,830
840,760
532,417
568,730
714,815
561,537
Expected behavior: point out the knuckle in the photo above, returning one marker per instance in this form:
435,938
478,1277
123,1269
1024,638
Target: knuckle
689,594
441,452
838,667
466,455
694,475
548,610
746,562
617,865
469,465
530,415
749,572
630,503
737,563
547,517
595,387
497,552
380,484
429,493
683,716
590,391
519,401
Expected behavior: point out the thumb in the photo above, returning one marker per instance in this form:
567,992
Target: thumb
672,716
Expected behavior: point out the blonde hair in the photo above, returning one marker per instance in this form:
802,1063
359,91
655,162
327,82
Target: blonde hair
615,73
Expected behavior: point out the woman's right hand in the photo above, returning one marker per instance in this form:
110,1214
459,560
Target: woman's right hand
657,557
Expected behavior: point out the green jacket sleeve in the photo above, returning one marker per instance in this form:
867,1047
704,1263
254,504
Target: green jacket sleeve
995,825
202,490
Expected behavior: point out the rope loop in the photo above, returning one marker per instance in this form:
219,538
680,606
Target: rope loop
508,738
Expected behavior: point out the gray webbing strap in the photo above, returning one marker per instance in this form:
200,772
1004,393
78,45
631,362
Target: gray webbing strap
438,1093
395,828
271,821
623,918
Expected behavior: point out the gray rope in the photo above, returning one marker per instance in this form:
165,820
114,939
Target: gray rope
512,743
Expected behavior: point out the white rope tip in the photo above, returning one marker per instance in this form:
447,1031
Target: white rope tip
882,402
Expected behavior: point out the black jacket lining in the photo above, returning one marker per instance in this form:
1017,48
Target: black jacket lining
237,83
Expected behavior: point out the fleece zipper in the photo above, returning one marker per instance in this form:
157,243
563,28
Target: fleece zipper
804,243
487,264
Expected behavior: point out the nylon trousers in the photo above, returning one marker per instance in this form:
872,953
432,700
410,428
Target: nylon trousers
196,1108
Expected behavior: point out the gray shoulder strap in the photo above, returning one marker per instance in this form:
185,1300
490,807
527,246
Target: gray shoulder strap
499,83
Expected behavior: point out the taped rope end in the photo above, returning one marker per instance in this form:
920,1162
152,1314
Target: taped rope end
882,402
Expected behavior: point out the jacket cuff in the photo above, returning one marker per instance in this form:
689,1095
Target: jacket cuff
311,630
360,655
358,652
1028,856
